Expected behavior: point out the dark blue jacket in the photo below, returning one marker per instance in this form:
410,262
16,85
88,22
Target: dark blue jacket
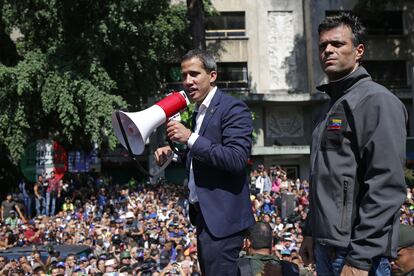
219,158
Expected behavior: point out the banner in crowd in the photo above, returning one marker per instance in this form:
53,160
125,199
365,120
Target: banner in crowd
41,158
79,161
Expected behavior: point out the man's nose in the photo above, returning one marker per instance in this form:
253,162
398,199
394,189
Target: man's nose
188,80
329,49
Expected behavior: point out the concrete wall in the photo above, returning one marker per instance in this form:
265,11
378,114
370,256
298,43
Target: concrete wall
275,47
283,77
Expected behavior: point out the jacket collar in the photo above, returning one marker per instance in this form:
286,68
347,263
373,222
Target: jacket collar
210,111
335,89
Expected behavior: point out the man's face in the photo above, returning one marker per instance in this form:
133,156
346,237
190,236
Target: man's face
55,271
404,262
126,261
337,54
196,80
70,261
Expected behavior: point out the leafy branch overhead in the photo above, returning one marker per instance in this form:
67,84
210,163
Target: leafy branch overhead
74,62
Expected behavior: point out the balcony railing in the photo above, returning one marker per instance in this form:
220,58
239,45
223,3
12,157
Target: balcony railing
225,33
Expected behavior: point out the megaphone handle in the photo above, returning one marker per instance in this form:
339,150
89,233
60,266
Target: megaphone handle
121,126
173,148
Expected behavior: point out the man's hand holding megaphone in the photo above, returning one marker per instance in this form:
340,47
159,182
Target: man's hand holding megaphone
177,133
134,128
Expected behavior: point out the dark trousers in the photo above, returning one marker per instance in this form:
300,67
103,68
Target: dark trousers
217,256
330,261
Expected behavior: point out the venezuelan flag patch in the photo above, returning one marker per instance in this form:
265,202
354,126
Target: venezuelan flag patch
334,124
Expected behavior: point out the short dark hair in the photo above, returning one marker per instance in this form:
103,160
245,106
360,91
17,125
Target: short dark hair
346,19
260,235
205,57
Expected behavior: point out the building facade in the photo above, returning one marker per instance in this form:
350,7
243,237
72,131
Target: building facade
268,56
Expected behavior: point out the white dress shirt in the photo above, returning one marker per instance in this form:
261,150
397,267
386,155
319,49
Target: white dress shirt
202,109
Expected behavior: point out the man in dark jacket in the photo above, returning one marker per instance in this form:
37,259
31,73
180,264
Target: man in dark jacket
404,264
357,160
219,145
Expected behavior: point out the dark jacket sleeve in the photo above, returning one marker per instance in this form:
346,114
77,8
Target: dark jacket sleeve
380,122
236,140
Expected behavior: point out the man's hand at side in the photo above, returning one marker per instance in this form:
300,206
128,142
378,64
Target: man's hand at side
306,250
177,132
161,155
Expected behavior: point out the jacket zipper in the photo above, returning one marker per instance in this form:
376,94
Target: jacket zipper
344,203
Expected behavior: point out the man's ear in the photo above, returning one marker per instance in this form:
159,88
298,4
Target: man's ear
213,76
246,244
359,52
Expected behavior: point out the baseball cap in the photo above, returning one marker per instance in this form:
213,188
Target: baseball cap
92,256
103,256
406,236
60,264
125,255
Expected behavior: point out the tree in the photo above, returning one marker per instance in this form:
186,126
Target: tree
77,61
195,13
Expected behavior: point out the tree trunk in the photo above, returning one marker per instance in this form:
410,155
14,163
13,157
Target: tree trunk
195,14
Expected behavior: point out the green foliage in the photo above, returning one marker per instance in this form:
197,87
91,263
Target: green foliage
41,101
409,177
77,60
187,115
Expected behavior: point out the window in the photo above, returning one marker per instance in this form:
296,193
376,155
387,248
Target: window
232,75
390,73
227,24
381,22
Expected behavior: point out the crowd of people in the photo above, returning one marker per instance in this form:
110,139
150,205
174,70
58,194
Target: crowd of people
140,229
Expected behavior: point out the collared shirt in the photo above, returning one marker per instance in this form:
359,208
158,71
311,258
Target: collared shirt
193,137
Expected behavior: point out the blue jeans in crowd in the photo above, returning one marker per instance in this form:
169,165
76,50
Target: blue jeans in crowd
27,201
330,260
40,206
50,204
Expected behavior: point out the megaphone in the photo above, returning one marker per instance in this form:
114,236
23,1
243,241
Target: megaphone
133,128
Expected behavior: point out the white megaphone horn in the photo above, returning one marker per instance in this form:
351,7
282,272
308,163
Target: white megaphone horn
133,128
